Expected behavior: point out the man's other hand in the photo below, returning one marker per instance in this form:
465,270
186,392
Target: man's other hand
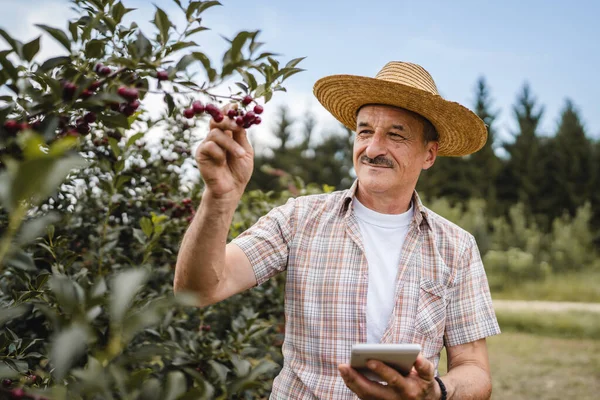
419,384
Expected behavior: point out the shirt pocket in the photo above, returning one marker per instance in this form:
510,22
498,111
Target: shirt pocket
431,311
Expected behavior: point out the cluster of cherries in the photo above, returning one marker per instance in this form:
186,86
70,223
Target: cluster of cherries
243,119
19,393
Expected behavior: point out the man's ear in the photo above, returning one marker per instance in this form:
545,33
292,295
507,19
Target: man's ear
431,149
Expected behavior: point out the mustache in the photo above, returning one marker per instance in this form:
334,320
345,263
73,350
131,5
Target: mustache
379,160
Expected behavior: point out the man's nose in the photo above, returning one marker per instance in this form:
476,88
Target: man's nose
376,146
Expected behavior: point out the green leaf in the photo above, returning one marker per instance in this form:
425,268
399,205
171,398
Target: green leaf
162,22
34,180
68,293
210,71
55,62
176,385
114,146
121,180
94,49
67,347
249,79
114,120
181,45
147,227
8,313
196,30
294,62
74,29
9,68
242,86
139,235
133,139
125,286
31,49
220,370
13,43
21,260
185,61
57,34
13,369
35,228
143,46
206,5
151,390
170,104
118,11
235,53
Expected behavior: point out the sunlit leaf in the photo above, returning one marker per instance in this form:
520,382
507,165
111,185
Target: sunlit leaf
57,34
125,286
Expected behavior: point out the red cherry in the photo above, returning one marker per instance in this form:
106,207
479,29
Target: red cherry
247,100
128,93
198,107
249,117
90,117
162,75
84,129
186,201
23,126
135,104
95,85
6,382
239,121
258,109
86,94
218,117
211,109
98,67
17,393
232,113
73,133
69,90
189,113
257,120
12,126
105,71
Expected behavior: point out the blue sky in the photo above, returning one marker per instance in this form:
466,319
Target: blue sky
555,46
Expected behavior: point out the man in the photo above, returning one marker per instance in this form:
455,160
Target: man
368,264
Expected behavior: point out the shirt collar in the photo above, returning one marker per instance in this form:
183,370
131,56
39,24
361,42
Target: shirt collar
420,213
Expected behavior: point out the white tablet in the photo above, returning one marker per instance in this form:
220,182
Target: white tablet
401,357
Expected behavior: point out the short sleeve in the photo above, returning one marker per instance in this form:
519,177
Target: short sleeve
266,243
470,314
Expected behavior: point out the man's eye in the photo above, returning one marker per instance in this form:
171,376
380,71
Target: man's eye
396,136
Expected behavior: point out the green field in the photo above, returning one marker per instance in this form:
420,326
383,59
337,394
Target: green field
581,287
526,367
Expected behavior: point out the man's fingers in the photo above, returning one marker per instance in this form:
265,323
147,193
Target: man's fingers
226,142
363,387
387,373
212,151
424,367
241,137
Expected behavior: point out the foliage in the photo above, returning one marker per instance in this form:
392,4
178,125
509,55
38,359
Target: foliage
86,266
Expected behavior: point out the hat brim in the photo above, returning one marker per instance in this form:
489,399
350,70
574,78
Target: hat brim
461,132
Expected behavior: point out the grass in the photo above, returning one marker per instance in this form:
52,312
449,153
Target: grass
573,325
581,287
526,366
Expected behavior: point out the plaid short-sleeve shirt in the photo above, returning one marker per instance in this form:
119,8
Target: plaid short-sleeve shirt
441,296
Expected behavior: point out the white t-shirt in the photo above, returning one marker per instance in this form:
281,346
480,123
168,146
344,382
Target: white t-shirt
383,236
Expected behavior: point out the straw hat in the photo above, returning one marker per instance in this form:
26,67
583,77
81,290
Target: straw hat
408,86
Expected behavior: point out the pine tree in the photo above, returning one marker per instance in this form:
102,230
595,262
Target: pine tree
575,156
519,177
485,164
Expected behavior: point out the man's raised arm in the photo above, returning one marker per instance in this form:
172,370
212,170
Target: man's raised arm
206,264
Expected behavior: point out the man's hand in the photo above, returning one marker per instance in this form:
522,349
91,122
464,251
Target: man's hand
419,384
225,158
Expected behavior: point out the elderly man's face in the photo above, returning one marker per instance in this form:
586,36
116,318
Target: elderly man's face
390,150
